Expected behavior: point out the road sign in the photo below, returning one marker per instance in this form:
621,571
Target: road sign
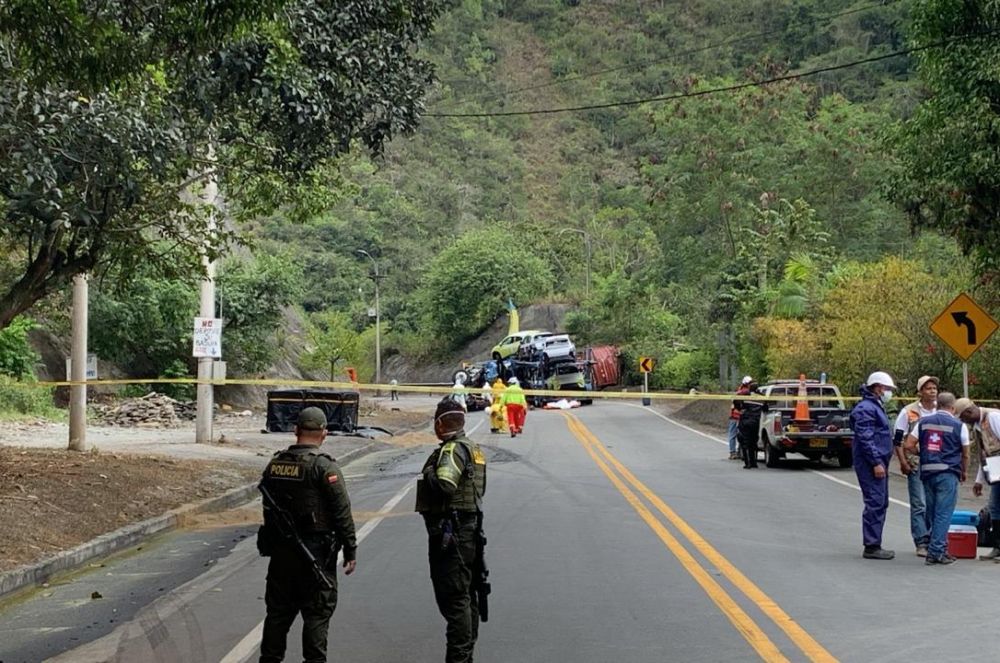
207,339
646,364
91,372
964,326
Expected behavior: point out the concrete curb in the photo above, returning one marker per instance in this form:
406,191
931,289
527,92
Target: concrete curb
38,573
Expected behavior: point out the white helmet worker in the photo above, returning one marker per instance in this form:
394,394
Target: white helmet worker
882,378
513,381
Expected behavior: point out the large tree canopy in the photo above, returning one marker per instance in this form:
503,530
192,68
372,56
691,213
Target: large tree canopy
950,148
108,114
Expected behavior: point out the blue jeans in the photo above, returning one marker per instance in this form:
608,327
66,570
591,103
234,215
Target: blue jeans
919,521
941,493
994,501
733,424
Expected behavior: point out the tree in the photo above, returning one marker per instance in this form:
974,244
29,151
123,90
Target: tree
17,357
949,150
468,284
252,296
145,326
108,114
331,340
876,316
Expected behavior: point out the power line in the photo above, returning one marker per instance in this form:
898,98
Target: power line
727,88
493,94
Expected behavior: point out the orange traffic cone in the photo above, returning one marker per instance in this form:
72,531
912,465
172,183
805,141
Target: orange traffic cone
802,404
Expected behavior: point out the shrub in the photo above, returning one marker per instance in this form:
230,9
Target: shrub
17,359
26,398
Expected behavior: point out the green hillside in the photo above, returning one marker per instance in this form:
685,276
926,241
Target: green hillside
692,208
718,189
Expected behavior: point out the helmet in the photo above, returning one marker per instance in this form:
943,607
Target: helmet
882,378
746,379
513,381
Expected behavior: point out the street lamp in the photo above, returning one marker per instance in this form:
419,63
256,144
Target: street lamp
586,241
376,277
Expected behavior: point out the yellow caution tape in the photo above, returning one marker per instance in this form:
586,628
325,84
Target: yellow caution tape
445,389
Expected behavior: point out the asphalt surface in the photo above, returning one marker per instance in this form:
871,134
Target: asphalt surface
614,535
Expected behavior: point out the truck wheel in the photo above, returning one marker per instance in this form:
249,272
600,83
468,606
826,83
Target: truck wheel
771,456
844,458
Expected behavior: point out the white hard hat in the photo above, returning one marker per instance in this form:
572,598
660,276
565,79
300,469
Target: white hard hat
513,381
882,378
746,379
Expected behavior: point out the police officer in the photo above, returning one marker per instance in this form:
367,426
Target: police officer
449,497
309,486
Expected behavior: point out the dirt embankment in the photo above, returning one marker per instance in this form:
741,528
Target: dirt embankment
708,415
53,500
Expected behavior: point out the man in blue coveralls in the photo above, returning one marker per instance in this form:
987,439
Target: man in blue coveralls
944,455
872,450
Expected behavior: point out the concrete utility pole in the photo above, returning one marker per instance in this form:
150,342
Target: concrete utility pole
376,277
78,368
206,391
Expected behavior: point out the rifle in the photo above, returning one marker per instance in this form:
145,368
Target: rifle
286,527
481,574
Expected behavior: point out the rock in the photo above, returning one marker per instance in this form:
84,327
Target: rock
154,410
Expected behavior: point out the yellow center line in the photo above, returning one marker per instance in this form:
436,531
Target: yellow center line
809,646
753,634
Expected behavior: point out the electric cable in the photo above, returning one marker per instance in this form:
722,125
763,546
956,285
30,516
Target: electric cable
710,91
498,94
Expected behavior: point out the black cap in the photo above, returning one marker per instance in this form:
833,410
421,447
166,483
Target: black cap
312,418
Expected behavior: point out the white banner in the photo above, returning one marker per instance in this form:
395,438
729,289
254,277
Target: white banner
207,337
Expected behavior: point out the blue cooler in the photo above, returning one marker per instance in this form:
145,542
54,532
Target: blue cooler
965,518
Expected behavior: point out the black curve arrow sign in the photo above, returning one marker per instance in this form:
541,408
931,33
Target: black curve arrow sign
961,319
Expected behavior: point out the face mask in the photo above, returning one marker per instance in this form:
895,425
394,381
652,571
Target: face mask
886,397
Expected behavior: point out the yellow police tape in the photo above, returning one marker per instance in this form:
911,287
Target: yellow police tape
443,389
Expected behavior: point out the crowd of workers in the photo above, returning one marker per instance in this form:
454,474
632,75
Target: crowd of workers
931,439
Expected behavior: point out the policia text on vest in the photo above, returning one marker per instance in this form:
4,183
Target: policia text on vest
307,519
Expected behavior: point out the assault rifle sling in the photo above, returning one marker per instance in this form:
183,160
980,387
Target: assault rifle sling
286,527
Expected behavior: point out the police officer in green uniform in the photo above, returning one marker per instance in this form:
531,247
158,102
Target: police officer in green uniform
449,497
308,486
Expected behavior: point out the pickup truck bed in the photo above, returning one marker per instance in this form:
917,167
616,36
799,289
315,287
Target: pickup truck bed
827,434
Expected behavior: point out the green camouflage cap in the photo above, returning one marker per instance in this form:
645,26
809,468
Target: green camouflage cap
312,418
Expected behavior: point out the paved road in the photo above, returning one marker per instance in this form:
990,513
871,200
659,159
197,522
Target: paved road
614,535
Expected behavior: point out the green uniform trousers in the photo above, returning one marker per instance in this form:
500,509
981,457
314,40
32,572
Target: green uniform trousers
293,589
451,575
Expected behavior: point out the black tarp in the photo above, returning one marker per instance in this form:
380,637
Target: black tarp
284,405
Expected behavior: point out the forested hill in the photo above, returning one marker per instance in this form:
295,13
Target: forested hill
693,208
727,229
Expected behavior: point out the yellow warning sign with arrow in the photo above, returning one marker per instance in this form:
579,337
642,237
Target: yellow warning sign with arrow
964,326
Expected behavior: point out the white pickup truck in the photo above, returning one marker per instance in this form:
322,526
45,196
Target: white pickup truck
827,433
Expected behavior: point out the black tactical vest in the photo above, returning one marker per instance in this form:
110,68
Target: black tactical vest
472,486
295,478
